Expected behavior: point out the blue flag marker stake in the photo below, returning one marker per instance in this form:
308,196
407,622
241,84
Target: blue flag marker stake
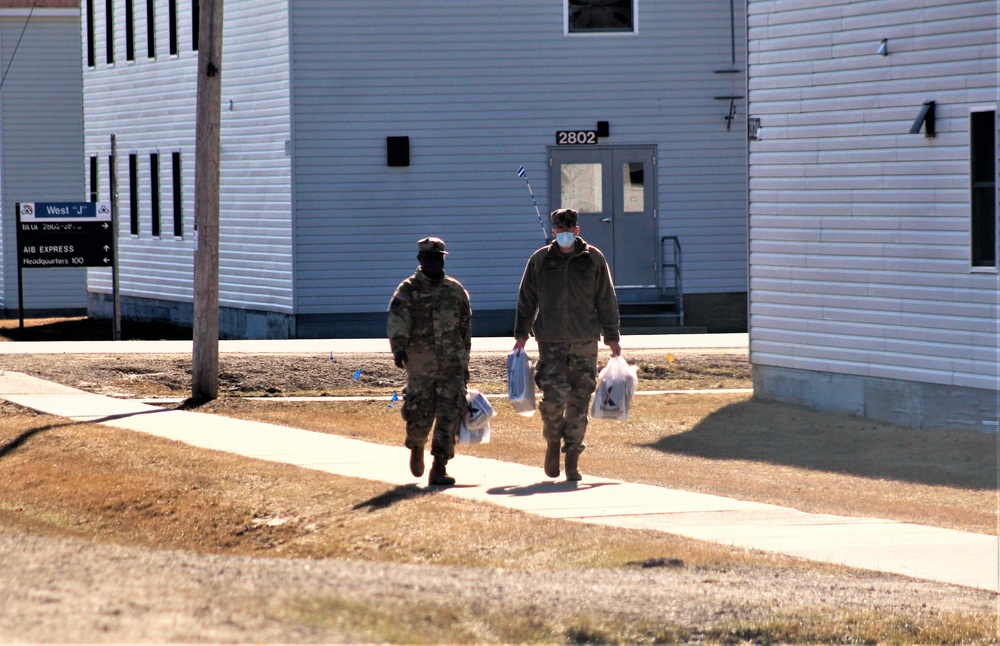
395,398
357,374
524,175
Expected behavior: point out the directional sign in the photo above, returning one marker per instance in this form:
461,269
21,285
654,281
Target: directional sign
65,234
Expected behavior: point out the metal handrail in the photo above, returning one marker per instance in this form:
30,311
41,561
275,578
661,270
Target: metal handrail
674,245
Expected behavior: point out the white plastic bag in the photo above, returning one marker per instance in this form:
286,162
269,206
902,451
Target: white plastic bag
615,387
475,427
521,383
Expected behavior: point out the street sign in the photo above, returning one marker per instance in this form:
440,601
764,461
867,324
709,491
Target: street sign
65,234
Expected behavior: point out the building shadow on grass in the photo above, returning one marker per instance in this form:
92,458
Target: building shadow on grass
787,435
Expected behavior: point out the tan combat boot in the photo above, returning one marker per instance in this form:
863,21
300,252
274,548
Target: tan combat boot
552,459
438,475
572,474
417,461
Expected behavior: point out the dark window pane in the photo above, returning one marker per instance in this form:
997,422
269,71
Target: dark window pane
93,179
154,193
91,59
109,31
984,227
195,23
600,15
129,30
133,194
150,29
178,205
983,147
982,170
172,20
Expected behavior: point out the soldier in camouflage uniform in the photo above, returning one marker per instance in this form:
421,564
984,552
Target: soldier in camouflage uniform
430,332
568,301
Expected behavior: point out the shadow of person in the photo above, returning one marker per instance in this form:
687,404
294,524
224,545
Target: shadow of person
395,495
788,435
545,487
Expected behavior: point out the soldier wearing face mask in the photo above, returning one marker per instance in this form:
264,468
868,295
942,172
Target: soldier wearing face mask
567,300
430,333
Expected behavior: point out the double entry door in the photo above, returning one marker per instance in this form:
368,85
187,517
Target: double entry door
614,190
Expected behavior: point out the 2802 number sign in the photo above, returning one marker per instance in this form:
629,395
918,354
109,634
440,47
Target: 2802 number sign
576,137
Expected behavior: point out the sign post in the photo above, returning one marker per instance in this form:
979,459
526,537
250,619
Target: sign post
62,234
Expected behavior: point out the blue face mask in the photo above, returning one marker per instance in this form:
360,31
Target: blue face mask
565,239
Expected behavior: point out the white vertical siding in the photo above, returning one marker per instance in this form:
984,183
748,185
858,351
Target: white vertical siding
480,93
859,231
41,120
150,105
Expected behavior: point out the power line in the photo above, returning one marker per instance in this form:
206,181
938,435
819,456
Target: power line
31,12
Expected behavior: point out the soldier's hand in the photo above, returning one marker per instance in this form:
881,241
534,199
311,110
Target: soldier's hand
400,358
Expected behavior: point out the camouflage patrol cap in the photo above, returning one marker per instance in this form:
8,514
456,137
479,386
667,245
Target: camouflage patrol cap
564,218
431,245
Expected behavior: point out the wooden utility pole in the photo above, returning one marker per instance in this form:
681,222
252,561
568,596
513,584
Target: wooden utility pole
205,351
116,315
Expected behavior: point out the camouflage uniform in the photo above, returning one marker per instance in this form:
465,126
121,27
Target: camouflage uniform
567,301
431,320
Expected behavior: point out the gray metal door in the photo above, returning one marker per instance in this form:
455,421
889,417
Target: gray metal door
614,189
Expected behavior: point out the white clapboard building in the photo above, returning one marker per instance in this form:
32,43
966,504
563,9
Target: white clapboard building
873,221
352,128
41,144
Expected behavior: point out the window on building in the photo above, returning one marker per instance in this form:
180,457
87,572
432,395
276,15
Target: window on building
172,20
133,194
581,188
178,204
129,30
91,58
600,16
150,29
154,193
195,24
982,140
109,31
93,179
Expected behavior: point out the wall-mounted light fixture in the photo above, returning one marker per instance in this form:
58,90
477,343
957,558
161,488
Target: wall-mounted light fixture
883,48
925,119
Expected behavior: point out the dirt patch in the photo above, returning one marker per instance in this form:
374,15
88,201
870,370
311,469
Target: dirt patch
373,374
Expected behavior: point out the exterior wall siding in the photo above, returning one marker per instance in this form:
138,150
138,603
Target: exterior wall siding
860,232
150,105
480,95
41,125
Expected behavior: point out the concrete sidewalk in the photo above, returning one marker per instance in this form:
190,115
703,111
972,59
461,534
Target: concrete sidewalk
935,554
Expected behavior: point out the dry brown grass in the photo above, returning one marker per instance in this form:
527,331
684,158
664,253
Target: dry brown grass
100,483
65,479
728,445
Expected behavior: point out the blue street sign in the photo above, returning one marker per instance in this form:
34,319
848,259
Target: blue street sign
65,211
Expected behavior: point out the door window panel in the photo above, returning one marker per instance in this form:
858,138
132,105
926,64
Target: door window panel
581,188
633,186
